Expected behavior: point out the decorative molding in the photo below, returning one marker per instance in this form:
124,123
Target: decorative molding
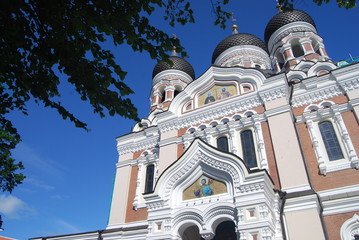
137,143
316,95
301,203
350,228
171,74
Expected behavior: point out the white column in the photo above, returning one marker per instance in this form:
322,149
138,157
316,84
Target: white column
234,138
260,144
353,158
317,149
138,186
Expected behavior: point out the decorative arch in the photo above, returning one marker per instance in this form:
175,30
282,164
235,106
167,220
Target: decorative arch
350,228
320,66
297,47
167,205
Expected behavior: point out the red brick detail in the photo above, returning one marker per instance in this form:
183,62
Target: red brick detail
351,124
331,180
287,54
137,155
169,94
247,64
308,47
180,150
153,108
333,223
311,56
181,132
166,104
270,155
131,214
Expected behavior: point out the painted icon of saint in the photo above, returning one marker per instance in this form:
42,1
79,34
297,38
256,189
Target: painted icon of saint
209,98
205,189
224,94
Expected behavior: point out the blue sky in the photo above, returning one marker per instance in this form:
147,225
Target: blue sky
70,172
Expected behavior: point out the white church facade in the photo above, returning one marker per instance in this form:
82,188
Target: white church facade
263,145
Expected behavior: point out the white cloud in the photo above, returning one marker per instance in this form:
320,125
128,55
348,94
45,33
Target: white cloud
13,207
68,227
33,160
57,196
39,184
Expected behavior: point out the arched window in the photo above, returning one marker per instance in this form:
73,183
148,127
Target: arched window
280,59
249,154
150,170
175,93
330,141
222,144
297,48
163,96
315,45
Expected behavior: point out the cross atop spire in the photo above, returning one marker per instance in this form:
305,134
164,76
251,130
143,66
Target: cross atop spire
278,7
234,26
174,53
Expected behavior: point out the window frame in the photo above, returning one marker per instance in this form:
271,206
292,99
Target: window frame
147,187
327,142
255,151
329,111
228,145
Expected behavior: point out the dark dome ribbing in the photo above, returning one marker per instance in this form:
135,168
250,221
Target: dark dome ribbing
178,64
283,18
237,40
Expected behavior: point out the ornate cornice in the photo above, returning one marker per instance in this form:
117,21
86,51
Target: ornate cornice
137,144
316,95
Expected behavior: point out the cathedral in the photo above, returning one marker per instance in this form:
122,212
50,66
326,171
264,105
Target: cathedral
263,145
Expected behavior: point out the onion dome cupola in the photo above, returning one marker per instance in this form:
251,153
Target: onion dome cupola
178,64
291,37
169,79
241,49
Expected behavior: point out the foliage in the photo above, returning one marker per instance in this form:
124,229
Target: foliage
288,4
41,39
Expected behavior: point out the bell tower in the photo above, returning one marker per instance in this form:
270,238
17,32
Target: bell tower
169,79
292,37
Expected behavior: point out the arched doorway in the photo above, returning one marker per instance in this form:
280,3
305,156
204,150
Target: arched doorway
191,233
226,231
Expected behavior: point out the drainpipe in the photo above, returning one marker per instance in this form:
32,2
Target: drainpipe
283,197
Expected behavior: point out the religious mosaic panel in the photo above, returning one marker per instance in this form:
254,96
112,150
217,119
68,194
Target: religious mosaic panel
204,186
217,92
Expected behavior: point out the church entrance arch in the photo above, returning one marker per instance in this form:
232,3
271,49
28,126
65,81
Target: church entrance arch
191,233
225,231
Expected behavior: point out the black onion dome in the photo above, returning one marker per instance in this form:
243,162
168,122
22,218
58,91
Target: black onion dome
178,64
284,18
237,40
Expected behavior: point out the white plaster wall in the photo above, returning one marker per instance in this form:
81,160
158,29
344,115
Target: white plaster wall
287,152
168,154
353,94
304,224
169,134
120,196
124,157
276,103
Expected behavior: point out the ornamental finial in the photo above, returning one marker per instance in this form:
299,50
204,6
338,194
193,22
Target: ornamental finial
234,26
174,53
279,7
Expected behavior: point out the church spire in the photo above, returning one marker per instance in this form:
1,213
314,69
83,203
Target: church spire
234,26
279,7
174,53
